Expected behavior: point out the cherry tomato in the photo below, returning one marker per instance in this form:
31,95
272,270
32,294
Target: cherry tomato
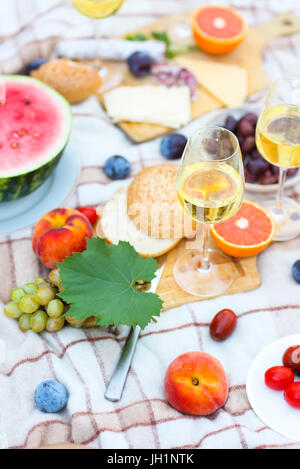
90,214
222,325
278,378
291,358
292,395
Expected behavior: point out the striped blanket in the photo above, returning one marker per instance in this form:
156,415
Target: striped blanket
84,359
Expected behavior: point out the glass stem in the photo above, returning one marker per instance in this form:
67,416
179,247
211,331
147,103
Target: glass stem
280,192
205,255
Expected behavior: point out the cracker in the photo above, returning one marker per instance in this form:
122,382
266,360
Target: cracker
152,204
74,81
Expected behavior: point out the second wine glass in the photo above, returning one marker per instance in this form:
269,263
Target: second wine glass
278,140
210,189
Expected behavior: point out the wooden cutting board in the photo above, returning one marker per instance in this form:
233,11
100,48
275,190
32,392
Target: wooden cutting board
246,278
248,55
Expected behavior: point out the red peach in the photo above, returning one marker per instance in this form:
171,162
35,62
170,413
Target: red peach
196,384
60,233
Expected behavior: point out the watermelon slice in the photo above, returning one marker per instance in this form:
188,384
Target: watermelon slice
35,123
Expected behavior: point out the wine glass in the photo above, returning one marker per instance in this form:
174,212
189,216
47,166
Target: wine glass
278,141
97,8
210,189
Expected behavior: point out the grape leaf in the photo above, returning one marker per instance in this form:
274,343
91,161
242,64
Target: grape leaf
100,282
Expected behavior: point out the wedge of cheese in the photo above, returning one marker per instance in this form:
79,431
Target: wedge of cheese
170,107
228,83
115,225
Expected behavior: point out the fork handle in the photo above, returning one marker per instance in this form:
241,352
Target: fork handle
115,388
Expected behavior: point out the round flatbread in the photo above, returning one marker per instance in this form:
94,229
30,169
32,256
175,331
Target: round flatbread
152,204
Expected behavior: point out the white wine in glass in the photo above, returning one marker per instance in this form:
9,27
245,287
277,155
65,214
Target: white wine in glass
278,141
210,189
97,8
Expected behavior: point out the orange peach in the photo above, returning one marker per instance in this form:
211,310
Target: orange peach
59,233
196,384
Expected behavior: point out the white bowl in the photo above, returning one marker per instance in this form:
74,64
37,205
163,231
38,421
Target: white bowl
237,112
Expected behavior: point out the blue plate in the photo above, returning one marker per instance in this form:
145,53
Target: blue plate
24,212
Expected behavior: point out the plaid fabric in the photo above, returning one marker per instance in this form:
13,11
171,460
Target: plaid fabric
84,359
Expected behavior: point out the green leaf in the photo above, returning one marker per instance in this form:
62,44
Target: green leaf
161,36
136,37
100,282
173,50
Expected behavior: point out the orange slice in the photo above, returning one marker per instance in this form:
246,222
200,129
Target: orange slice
245,234
218,30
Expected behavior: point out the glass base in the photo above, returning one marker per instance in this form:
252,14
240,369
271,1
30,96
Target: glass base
287,219
195,280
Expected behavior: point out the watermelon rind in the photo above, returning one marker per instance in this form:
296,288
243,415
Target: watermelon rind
21,184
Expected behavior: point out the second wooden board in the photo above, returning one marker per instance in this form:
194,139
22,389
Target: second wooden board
248,55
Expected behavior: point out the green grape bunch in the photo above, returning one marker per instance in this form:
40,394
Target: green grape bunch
36,306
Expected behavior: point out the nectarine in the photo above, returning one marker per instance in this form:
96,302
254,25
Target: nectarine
195,383
59,233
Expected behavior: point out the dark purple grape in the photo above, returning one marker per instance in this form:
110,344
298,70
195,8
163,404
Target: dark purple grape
211,146
255,154
291,172
251,117
257,167
249,177
267,178
245,128
230,123
240,139
140,64
275,170
248,144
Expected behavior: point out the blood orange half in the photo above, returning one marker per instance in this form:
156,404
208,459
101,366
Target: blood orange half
245,234
218,30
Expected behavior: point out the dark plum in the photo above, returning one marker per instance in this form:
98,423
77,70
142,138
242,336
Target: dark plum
230,123
34,65
140,64
172,146
296,270
117,167
248,144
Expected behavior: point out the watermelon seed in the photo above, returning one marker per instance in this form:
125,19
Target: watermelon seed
22,132
27,103
15,144
37,134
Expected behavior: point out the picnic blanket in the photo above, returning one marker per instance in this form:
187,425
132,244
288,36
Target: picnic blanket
83,360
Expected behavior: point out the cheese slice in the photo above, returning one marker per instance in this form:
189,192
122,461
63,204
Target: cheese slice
228,83
170,107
